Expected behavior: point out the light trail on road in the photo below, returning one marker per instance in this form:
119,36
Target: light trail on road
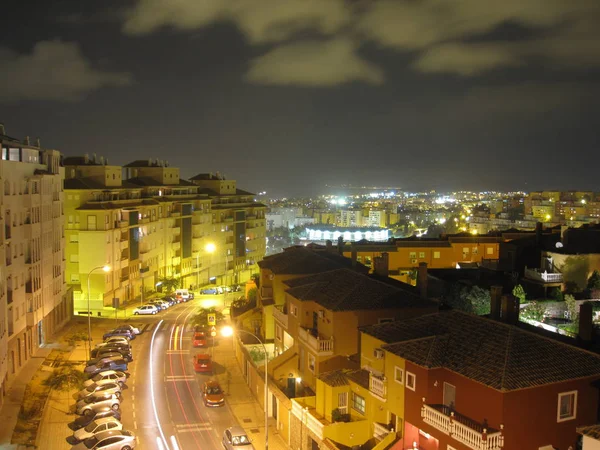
158,424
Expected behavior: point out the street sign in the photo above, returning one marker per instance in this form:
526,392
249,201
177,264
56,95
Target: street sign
213,331
212,319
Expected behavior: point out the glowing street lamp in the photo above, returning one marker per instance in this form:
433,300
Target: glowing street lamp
105,268
229,331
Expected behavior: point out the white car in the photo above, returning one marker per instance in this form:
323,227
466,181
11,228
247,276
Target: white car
108,440
109,375
88,405
97,426
145,309
108,386
117,340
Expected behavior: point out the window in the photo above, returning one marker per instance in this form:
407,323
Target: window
358,403
399,375
567,406
278,332
295,310
412,255
343,402
465,249
411,381
421,254
311,362
436,255
489,250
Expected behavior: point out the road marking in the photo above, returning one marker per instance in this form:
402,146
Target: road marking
180,378
191,427
134,425
177,352
132,397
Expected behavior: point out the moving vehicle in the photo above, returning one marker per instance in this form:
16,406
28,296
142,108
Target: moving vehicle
236,438
202,363
109,375
145,309
93,403
93,370
108,440
97,426
107,387
99,413
212,394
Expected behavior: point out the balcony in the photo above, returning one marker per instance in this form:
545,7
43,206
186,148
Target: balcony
461,428
321,346
543,277
266,295
304,409
491,264
121,224
175,214
378,386
280,315
9,296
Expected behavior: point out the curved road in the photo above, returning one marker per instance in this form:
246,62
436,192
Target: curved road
167,407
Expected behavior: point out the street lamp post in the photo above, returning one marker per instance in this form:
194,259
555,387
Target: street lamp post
228,331
105,269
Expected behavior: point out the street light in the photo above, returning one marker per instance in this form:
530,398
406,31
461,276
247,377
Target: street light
228,331
105,269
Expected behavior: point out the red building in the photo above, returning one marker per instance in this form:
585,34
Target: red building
475,383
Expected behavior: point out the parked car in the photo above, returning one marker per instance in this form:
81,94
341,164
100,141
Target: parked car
200,339
202,363
109,375
122,332
93,403
145,309
183,293
160,305
112,351
212,290
119,364
120,345
117,340
170,300
113,356
212,394
236,438
108,440
99,413
97,426
109,387
131,328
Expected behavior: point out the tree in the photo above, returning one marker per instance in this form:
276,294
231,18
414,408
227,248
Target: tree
519,292
252,294
572,307
594,281
471,299
200,319
454,296
480,299
65,378
575,270
169,284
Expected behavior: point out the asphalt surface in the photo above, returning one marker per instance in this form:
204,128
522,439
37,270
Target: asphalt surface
165,408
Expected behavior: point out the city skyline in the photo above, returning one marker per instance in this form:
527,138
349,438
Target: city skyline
287,99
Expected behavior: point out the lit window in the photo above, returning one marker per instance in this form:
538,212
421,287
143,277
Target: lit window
412,255
411,381
436,255
490,250
399,375
421,254
358,403
567,406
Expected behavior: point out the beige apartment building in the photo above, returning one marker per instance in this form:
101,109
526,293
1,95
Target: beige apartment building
33,300
146,223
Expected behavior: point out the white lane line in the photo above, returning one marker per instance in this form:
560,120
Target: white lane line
164,440
174,443
180,378
132,397
190,427
134,425
177,352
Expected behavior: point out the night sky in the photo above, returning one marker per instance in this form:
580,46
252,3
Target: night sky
289,95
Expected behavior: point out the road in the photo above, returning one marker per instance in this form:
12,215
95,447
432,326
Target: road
166,406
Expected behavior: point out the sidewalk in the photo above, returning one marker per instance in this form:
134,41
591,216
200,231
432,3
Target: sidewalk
243,403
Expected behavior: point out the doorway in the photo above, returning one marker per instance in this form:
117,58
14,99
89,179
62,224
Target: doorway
449,395
40,333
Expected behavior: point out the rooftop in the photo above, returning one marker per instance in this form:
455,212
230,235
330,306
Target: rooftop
493,353
301,260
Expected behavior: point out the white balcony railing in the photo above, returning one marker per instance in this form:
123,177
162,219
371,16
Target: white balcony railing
280,316
464,430
380,431
321,346
307,418
378,386
544,276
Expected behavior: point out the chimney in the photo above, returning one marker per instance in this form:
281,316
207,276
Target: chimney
86,158
381,264
496,302
2,130
167,163
353,256
510,309
94,158
106,162
26,140
340,245
586,327
422,279
538,232
150,162
102,160
38,142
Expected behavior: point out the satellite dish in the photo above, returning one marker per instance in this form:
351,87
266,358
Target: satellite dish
559,245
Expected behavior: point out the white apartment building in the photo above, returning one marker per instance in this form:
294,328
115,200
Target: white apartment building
33,300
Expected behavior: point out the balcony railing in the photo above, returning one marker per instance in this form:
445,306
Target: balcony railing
121,224
378,386
544,277
461,428
301,408
266,292
322,347
280,314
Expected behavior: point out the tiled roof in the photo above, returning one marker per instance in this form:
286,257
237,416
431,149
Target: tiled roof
346,290
89,183
359,376
301,260
149,181
335,378
592,431
496,354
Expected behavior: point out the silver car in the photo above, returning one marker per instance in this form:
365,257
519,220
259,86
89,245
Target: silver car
97,426
145,309
108,440
109,375
91,404
104,387
236,438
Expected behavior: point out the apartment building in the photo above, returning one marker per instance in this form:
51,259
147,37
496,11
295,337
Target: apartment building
33,300
238,226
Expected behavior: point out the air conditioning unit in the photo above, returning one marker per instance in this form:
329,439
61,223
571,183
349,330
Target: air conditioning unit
378,353
321,313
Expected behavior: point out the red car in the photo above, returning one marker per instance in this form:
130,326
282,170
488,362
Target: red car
202,363
199,339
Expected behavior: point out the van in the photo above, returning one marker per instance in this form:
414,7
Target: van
183,293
